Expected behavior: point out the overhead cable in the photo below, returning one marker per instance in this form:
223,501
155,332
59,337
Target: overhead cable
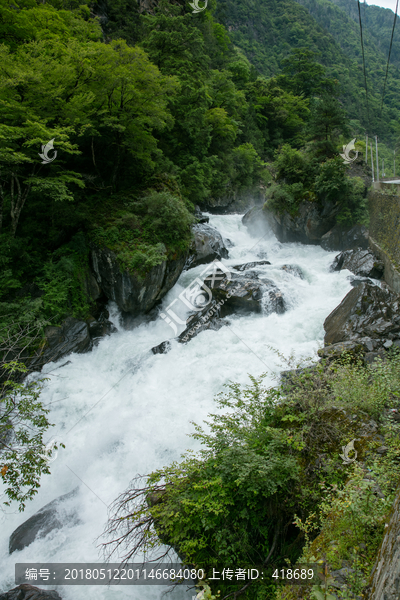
363,57
390,51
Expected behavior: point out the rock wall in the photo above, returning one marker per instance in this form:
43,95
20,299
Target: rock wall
385,577
384,227
133,294
391,275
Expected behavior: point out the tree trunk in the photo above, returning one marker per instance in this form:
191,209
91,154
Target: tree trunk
17,203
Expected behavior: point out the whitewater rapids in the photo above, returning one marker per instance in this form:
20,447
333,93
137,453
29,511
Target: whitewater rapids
120,410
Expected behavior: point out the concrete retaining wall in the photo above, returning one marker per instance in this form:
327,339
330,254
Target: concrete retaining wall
384,231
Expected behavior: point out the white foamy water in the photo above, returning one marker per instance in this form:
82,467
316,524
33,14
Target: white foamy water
120,410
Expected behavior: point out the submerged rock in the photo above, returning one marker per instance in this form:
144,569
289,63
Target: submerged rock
52,516
251,265
207,246
293,270
30,592
367,311
162,348
360,262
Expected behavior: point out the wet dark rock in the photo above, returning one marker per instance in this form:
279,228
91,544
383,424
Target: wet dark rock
52,516
345,238
200,218
132,293
30,592
207,246
101,327
241,293
251,265
367,311
308,226
360,262
72,336
162,348
207,318
92,289
293,270
228,243
356,281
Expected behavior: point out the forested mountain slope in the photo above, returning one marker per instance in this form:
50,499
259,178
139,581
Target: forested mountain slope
268,30
377,23
154,109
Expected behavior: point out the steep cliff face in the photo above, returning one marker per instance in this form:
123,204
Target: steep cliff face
134,294
307,227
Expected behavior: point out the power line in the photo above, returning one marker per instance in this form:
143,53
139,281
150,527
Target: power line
390,51
363,57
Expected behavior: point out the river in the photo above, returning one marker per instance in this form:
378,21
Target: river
120,410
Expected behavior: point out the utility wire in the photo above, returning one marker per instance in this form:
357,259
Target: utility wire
390,51
363,57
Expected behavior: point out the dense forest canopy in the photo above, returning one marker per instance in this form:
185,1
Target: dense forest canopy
153,110
148,110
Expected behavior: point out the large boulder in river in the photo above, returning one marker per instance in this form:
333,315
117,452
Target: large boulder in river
73,335
360,262
52,516
342,237
231,294
251,265
30,592
367,311
132,293
308,226
207,246
248,293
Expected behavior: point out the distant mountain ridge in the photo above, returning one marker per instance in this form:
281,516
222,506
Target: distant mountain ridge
268,30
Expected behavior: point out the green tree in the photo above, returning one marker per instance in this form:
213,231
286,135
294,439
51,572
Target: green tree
76,92
303,75
327,122
23,418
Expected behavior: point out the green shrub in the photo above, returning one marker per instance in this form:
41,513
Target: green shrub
292,165
268,458
165,218
286,197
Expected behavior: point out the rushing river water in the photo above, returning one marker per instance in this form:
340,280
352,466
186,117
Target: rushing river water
120,410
